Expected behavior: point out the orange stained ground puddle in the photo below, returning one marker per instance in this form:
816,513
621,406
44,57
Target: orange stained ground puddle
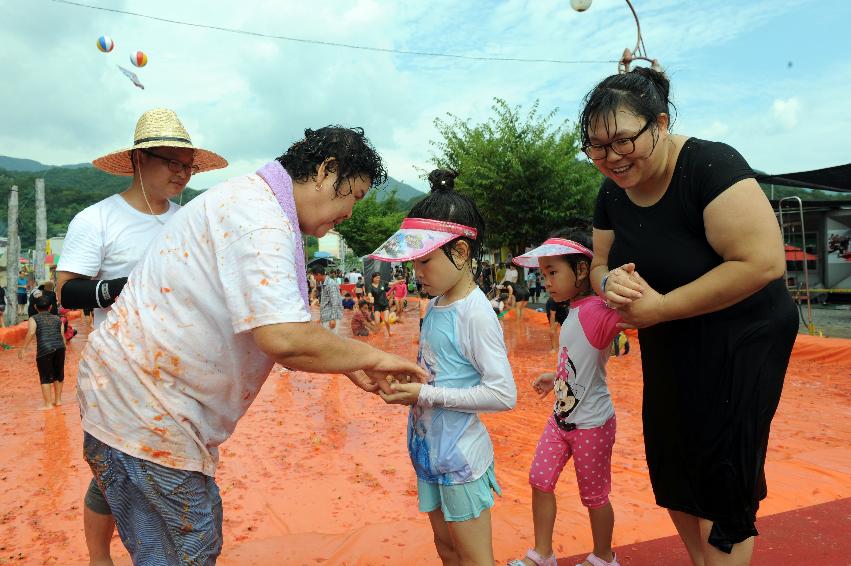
318,471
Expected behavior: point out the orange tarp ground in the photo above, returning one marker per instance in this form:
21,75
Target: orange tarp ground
318,471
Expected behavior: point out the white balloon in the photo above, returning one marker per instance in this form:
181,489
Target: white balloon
580,5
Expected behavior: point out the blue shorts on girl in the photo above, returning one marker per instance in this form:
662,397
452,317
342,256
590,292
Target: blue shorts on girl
583,424
462,348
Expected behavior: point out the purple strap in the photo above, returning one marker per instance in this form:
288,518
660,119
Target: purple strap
282,187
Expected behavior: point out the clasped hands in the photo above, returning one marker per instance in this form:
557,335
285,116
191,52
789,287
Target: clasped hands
395,387
637,302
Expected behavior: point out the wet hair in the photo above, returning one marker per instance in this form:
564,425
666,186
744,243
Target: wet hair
351,153
579,230
374,275
362,304
642,91
42,303
503,297
317,270
445,204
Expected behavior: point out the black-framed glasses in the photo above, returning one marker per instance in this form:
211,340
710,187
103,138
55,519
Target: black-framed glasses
622,146
174,165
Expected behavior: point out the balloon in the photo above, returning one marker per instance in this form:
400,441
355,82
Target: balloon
105,43
580,5
139,59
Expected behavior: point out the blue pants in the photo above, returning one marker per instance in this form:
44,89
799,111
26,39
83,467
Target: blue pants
164,516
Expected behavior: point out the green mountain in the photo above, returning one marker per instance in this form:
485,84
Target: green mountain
404,192
24,165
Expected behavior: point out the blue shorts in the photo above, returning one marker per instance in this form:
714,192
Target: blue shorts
459,502
164,516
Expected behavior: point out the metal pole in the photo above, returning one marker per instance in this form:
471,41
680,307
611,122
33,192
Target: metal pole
12,264
40,231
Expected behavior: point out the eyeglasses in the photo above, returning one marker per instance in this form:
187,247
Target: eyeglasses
174,165
623,146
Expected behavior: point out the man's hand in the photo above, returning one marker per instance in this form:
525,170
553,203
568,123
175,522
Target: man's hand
402,394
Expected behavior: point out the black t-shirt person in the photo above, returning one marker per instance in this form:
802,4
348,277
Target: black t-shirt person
379,296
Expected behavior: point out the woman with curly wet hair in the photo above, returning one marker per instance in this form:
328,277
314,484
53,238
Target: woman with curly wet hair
219,298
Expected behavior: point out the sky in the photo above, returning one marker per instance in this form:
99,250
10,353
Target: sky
770,77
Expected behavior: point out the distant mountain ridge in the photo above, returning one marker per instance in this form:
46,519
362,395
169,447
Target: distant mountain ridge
71,188
404,192
32,166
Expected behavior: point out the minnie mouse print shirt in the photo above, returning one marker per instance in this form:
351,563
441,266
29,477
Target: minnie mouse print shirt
582,397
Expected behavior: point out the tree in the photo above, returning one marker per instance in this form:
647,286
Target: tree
371,223
523,172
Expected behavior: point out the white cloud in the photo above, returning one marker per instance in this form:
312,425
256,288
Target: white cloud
250,97
786,112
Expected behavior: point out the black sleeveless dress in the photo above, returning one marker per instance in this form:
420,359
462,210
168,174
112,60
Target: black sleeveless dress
712,382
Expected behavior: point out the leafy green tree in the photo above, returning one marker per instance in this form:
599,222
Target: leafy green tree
371,223
523,172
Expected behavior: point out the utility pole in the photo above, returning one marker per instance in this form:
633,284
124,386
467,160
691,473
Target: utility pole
12,253
40,231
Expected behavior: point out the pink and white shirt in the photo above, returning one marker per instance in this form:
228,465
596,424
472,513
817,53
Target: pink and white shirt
582,396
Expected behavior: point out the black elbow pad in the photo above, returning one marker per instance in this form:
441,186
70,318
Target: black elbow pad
91,294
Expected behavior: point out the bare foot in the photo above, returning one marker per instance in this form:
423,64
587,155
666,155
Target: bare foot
57,404
45,407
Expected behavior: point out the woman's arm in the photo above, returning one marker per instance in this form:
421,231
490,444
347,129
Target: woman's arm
741,228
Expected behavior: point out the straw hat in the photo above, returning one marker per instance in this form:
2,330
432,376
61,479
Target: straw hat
159,127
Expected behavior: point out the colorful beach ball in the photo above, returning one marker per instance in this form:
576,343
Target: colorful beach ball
105,43
139,59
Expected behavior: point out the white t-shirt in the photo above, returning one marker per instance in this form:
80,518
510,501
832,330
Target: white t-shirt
462,348
511,275
581,393
107,239
174,366
353,277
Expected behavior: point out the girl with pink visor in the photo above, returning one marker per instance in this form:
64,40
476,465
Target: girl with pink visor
462,348
582,424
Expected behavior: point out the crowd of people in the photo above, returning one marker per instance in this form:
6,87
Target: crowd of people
683,243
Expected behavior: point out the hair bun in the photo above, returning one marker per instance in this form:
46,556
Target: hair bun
442,180
659,80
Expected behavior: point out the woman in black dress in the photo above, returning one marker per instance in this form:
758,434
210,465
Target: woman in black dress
687,247
377,294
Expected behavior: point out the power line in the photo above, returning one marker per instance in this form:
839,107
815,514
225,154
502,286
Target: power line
332,43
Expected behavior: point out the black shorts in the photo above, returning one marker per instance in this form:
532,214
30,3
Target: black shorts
381,308
51,367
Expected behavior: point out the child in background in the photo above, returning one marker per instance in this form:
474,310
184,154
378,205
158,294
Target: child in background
48,331
498,303
362,324
462,347
582,424
348,302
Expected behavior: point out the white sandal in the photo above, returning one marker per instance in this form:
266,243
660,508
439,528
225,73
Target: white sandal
597,561
537,559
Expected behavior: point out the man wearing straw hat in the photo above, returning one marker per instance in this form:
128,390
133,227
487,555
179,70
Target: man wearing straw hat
106,240
219,297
